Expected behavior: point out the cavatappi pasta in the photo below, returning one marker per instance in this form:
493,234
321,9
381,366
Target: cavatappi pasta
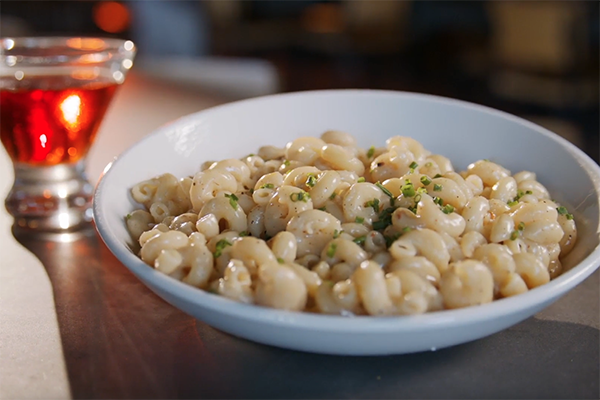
325,226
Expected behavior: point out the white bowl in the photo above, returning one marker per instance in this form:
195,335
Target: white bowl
462,131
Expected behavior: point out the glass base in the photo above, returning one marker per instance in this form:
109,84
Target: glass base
50,199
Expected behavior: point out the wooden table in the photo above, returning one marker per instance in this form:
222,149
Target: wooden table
75,323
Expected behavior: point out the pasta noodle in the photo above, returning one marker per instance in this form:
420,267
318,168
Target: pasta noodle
322,225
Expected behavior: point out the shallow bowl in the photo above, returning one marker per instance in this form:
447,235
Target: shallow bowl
462,131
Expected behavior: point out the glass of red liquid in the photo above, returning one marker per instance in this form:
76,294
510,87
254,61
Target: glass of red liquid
54,92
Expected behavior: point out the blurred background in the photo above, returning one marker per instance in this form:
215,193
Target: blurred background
538,60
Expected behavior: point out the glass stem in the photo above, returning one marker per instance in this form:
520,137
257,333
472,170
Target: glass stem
56,198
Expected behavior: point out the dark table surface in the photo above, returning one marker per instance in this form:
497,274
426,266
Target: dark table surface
121,341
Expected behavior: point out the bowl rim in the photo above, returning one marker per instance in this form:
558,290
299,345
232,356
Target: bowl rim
336,323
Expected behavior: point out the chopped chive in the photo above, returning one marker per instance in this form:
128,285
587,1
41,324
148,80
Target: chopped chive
331,250
384,190
520,194
267,186
425,180
250,155
359,220
244,233
429,164
417,198
380,225
528,192
562,210
373,203
437,176
300,196
251,191
336,234
286,163
421,190
448,209
569,216
514,235
512,203
371,152
361,179
128,216
408,190
233,200
332,196
360,240
280,260
322,208
311,180
221,244
439,201
406,229
413,165
437,187
521,226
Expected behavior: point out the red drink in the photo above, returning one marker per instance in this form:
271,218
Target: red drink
54,120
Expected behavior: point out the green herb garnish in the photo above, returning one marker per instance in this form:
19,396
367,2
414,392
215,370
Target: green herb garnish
371,152
221,244
384,190
361,179
408,190
437,187
233,200
300,196
360,240
311,180
331,250
373,203
425,180
448,209
562,210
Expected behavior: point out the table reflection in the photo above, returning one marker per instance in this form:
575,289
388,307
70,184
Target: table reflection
121,341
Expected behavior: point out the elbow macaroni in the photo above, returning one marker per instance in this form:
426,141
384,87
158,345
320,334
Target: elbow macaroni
324,226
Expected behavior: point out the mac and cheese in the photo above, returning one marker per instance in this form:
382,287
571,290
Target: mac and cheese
324,226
